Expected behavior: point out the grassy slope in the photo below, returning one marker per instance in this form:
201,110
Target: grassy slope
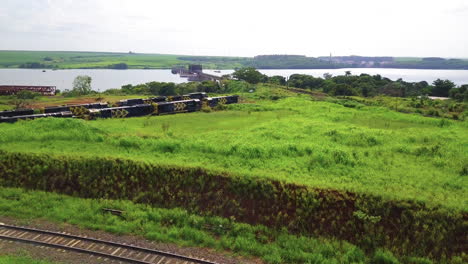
177,226
372,150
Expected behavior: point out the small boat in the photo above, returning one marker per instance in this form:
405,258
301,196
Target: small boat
217,71
43,70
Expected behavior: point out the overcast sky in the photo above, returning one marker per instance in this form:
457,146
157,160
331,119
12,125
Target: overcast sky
240,27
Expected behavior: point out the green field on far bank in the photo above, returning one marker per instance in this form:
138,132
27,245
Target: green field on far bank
97,60
131,60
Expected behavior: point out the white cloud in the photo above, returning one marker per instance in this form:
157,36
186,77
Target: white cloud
243,27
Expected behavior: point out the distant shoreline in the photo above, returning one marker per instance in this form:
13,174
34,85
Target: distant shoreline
111,60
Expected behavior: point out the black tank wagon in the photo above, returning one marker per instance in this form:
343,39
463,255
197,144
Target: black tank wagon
127,108
56,109
18,112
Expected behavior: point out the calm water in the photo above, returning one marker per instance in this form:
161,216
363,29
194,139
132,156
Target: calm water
107,79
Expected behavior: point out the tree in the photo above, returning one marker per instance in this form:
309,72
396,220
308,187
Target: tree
305,81
342,89
82,85
459,94
250,75
119,66
442,87
277,79
327,76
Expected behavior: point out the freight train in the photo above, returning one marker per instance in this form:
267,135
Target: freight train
125,108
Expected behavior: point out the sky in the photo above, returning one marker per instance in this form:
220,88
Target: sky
409,28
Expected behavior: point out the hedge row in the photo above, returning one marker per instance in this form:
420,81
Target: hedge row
404,227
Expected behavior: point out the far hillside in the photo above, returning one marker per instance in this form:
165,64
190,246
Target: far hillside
132,60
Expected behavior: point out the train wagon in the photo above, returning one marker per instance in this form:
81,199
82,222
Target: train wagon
178,106
199,96
18,112
56,109
13,119
122,111
130,108
214,101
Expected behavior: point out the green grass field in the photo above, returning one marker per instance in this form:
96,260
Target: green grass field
378,161
297,140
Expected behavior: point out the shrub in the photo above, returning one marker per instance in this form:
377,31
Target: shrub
384,257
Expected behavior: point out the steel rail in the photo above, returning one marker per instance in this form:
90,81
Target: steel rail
94,240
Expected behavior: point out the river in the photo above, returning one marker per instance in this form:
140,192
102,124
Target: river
108,79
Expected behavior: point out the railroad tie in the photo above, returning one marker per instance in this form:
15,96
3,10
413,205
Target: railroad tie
103,250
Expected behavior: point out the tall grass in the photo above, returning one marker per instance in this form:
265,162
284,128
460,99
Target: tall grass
320,144
180,227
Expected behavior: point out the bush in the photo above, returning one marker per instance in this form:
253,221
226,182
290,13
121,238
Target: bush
384,257
25,94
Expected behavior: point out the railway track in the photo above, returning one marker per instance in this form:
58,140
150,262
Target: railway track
100,248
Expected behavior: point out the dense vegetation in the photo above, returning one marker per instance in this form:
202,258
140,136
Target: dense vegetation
164,88
179,226
109,60
370,85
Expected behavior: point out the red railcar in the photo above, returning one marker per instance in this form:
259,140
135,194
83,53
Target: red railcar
14,89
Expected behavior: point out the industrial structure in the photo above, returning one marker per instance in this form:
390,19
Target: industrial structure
14,89
194,73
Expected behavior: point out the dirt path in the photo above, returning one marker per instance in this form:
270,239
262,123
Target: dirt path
68,257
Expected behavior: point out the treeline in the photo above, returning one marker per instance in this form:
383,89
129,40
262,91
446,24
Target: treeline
371,85
291,62
169,88
430,63
36,65
325,62
361,85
